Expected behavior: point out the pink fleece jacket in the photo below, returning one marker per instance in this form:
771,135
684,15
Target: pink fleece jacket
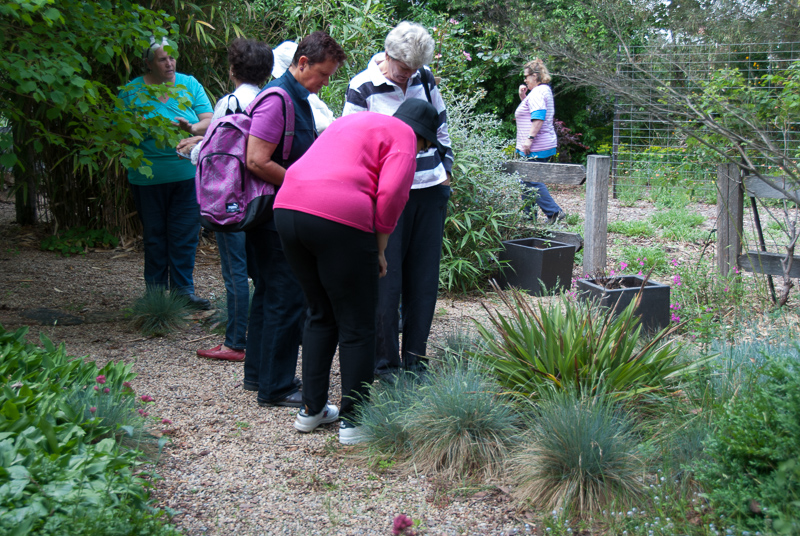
358,173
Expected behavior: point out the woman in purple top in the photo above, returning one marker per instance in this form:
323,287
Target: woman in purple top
536,136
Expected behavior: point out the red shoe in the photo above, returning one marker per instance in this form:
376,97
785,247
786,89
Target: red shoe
224,354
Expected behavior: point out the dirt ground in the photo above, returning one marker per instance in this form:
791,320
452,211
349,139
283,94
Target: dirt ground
233,467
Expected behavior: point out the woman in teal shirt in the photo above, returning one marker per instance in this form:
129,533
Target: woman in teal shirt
167,202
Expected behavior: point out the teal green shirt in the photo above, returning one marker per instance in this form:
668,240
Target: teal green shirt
166,165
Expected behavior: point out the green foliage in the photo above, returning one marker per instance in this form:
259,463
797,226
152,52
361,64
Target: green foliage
576,345
453,423
631,228
62,467
78,240
679,224
580,454
702,297
485,206
63,65
645,258
750,473
159,312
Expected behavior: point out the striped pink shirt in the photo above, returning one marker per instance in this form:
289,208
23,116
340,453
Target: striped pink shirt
538,104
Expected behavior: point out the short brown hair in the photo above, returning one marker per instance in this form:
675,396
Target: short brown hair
319,47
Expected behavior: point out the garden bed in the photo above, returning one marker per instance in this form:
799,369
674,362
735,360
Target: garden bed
233,467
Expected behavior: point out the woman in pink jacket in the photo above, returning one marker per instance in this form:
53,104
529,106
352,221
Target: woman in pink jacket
334,213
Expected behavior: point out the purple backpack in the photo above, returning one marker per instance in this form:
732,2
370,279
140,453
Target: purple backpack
231,198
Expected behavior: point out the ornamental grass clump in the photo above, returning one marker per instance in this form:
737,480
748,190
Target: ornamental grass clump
461,426
451,422
580,454
575,344
159,312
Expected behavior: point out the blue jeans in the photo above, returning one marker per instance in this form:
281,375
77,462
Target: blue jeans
233,259
533,189
412,255
170,219
545,201
277,316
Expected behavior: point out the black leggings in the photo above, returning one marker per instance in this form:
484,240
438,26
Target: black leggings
337,266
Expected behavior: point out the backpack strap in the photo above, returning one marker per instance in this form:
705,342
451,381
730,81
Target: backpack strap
231,111
423,74
288,115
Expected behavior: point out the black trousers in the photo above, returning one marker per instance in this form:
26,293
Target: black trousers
412,255
337,267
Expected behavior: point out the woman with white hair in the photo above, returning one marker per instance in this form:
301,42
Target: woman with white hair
392,77
167,202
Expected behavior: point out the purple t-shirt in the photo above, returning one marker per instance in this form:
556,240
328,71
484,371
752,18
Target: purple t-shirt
267,122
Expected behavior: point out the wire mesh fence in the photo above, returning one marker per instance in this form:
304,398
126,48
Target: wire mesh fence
651,158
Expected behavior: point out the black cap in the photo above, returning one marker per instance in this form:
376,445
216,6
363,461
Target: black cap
421,116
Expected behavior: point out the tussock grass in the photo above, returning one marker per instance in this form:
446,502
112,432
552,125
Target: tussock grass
158,312
580,453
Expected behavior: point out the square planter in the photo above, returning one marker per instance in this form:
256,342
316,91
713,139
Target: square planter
536,265
653,309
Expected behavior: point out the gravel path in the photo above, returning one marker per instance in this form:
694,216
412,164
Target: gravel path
233,467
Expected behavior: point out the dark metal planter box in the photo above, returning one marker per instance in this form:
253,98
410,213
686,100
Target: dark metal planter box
534,262
653,309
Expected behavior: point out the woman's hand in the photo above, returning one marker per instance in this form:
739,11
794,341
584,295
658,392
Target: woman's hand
187,144
382,265
523,91
526,146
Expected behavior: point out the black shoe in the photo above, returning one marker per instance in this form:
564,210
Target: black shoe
387,376
294,400
247,386
198,303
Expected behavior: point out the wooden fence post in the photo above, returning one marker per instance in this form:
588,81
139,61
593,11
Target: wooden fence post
596,224
730,213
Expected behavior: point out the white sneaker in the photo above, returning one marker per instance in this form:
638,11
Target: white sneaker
350,434
304,423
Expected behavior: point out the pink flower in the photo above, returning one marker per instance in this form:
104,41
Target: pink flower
640,273
675,318
725,289
106,390
469,58
101,379
166,421
147,398
437,56
453,21
96,388
143,413
92,409
677,280
127,384
674,262
623,265
401,523
612,273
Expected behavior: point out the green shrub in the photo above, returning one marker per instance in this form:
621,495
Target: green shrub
62,463
750,474
78,240
580,454
569,343
159,312
485,207
702,297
